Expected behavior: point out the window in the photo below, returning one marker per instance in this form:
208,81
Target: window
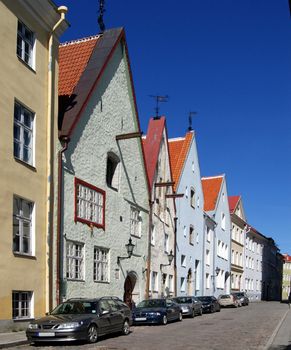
192,198
207,281
191,235
193,167
23,133
112,171
186,192
208,234
22,226
223,221
183,284
170,283
75,260
21,305
100,268
25,44
166,243
185,231
89,204
135,222
207,257
154,285
183,260
232,257
197,237
153,236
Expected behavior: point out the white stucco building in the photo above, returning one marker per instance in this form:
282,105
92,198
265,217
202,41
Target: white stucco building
102,185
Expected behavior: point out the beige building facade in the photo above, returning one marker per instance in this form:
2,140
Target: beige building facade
28,130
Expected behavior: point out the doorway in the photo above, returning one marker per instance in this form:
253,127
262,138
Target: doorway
129,287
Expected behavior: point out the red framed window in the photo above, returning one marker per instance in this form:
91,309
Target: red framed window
89,204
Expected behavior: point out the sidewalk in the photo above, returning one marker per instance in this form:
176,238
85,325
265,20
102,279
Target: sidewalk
12,339
282,337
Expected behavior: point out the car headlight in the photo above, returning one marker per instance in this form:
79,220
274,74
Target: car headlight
70,325
33,326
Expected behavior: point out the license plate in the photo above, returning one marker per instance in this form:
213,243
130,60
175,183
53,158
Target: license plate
49,334
140,319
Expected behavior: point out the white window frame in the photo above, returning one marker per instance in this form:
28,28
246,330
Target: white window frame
25,48
22,307
101,264
182,284
135,222
166,242
183,260
192,197
89,204
20,218
207,258
154,281
153,235
74,260
23,135
223,221
170,283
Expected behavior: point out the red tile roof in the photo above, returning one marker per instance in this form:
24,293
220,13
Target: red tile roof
73,59
287,257
211,188
233,202
151,146
179,149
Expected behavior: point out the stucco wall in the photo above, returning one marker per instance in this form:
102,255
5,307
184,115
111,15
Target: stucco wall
189,216
109,113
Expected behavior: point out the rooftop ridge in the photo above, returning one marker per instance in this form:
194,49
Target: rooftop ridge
212,177
176,139
81,40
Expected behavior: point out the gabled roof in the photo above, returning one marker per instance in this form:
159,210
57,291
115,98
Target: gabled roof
151,144
179,149
82,63
211,188
233,202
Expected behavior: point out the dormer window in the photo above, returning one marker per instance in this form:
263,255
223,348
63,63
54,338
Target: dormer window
113,171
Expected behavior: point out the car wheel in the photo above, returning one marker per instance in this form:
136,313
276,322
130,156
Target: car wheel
125,328
218,309
212,309
200,312
181,316
164,320
193,313
92,334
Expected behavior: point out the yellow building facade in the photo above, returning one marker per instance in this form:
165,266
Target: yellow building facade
29,32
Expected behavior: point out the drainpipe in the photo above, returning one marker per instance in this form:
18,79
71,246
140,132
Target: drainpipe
175,256
148,269
59,245
62,10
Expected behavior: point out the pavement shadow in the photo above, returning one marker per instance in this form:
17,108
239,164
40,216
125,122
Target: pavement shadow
280,347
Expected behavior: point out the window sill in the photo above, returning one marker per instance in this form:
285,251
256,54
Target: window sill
102,282
26,65
31,167
74,280
25,256
23,319
135,236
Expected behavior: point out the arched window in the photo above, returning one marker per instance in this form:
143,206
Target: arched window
112,171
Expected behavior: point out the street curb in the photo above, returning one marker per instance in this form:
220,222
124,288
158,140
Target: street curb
271,339
12,344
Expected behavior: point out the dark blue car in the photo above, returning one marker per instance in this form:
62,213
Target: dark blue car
156,311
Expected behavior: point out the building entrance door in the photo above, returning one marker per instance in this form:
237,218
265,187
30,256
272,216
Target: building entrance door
129,285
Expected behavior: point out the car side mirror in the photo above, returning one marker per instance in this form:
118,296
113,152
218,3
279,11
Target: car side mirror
105,312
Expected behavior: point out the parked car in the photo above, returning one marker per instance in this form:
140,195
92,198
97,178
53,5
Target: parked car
190,306
81,319
242,296
229,300
158,311
209,304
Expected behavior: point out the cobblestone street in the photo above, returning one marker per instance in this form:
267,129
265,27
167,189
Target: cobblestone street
244,328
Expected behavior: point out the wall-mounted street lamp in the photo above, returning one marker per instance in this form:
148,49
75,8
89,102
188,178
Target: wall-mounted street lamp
170,259
129,248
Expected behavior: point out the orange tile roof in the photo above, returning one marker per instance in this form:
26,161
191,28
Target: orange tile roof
211,188
178,149
73,59
233,201
287,257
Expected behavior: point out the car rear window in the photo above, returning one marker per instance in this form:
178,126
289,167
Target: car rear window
225,297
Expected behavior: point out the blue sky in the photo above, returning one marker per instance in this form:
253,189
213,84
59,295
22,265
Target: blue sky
231,62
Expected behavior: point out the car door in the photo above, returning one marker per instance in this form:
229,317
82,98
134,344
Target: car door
196,305
104,322
116,316
173,309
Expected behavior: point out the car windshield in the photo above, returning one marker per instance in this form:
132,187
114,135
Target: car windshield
240,295
152,303
183,300
224,297
75,307
208,299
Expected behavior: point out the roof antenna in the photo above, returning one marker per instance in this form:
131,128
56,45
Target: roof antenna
159,99
100,17
191,114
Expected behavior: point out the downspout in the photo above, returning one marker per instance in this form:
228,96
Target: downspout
62,10
59,246
148,269
203,255
175,256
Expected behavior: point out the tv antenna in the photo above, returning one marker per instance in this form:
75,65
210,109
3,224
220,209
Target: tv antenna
159,99
100,17
191,114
